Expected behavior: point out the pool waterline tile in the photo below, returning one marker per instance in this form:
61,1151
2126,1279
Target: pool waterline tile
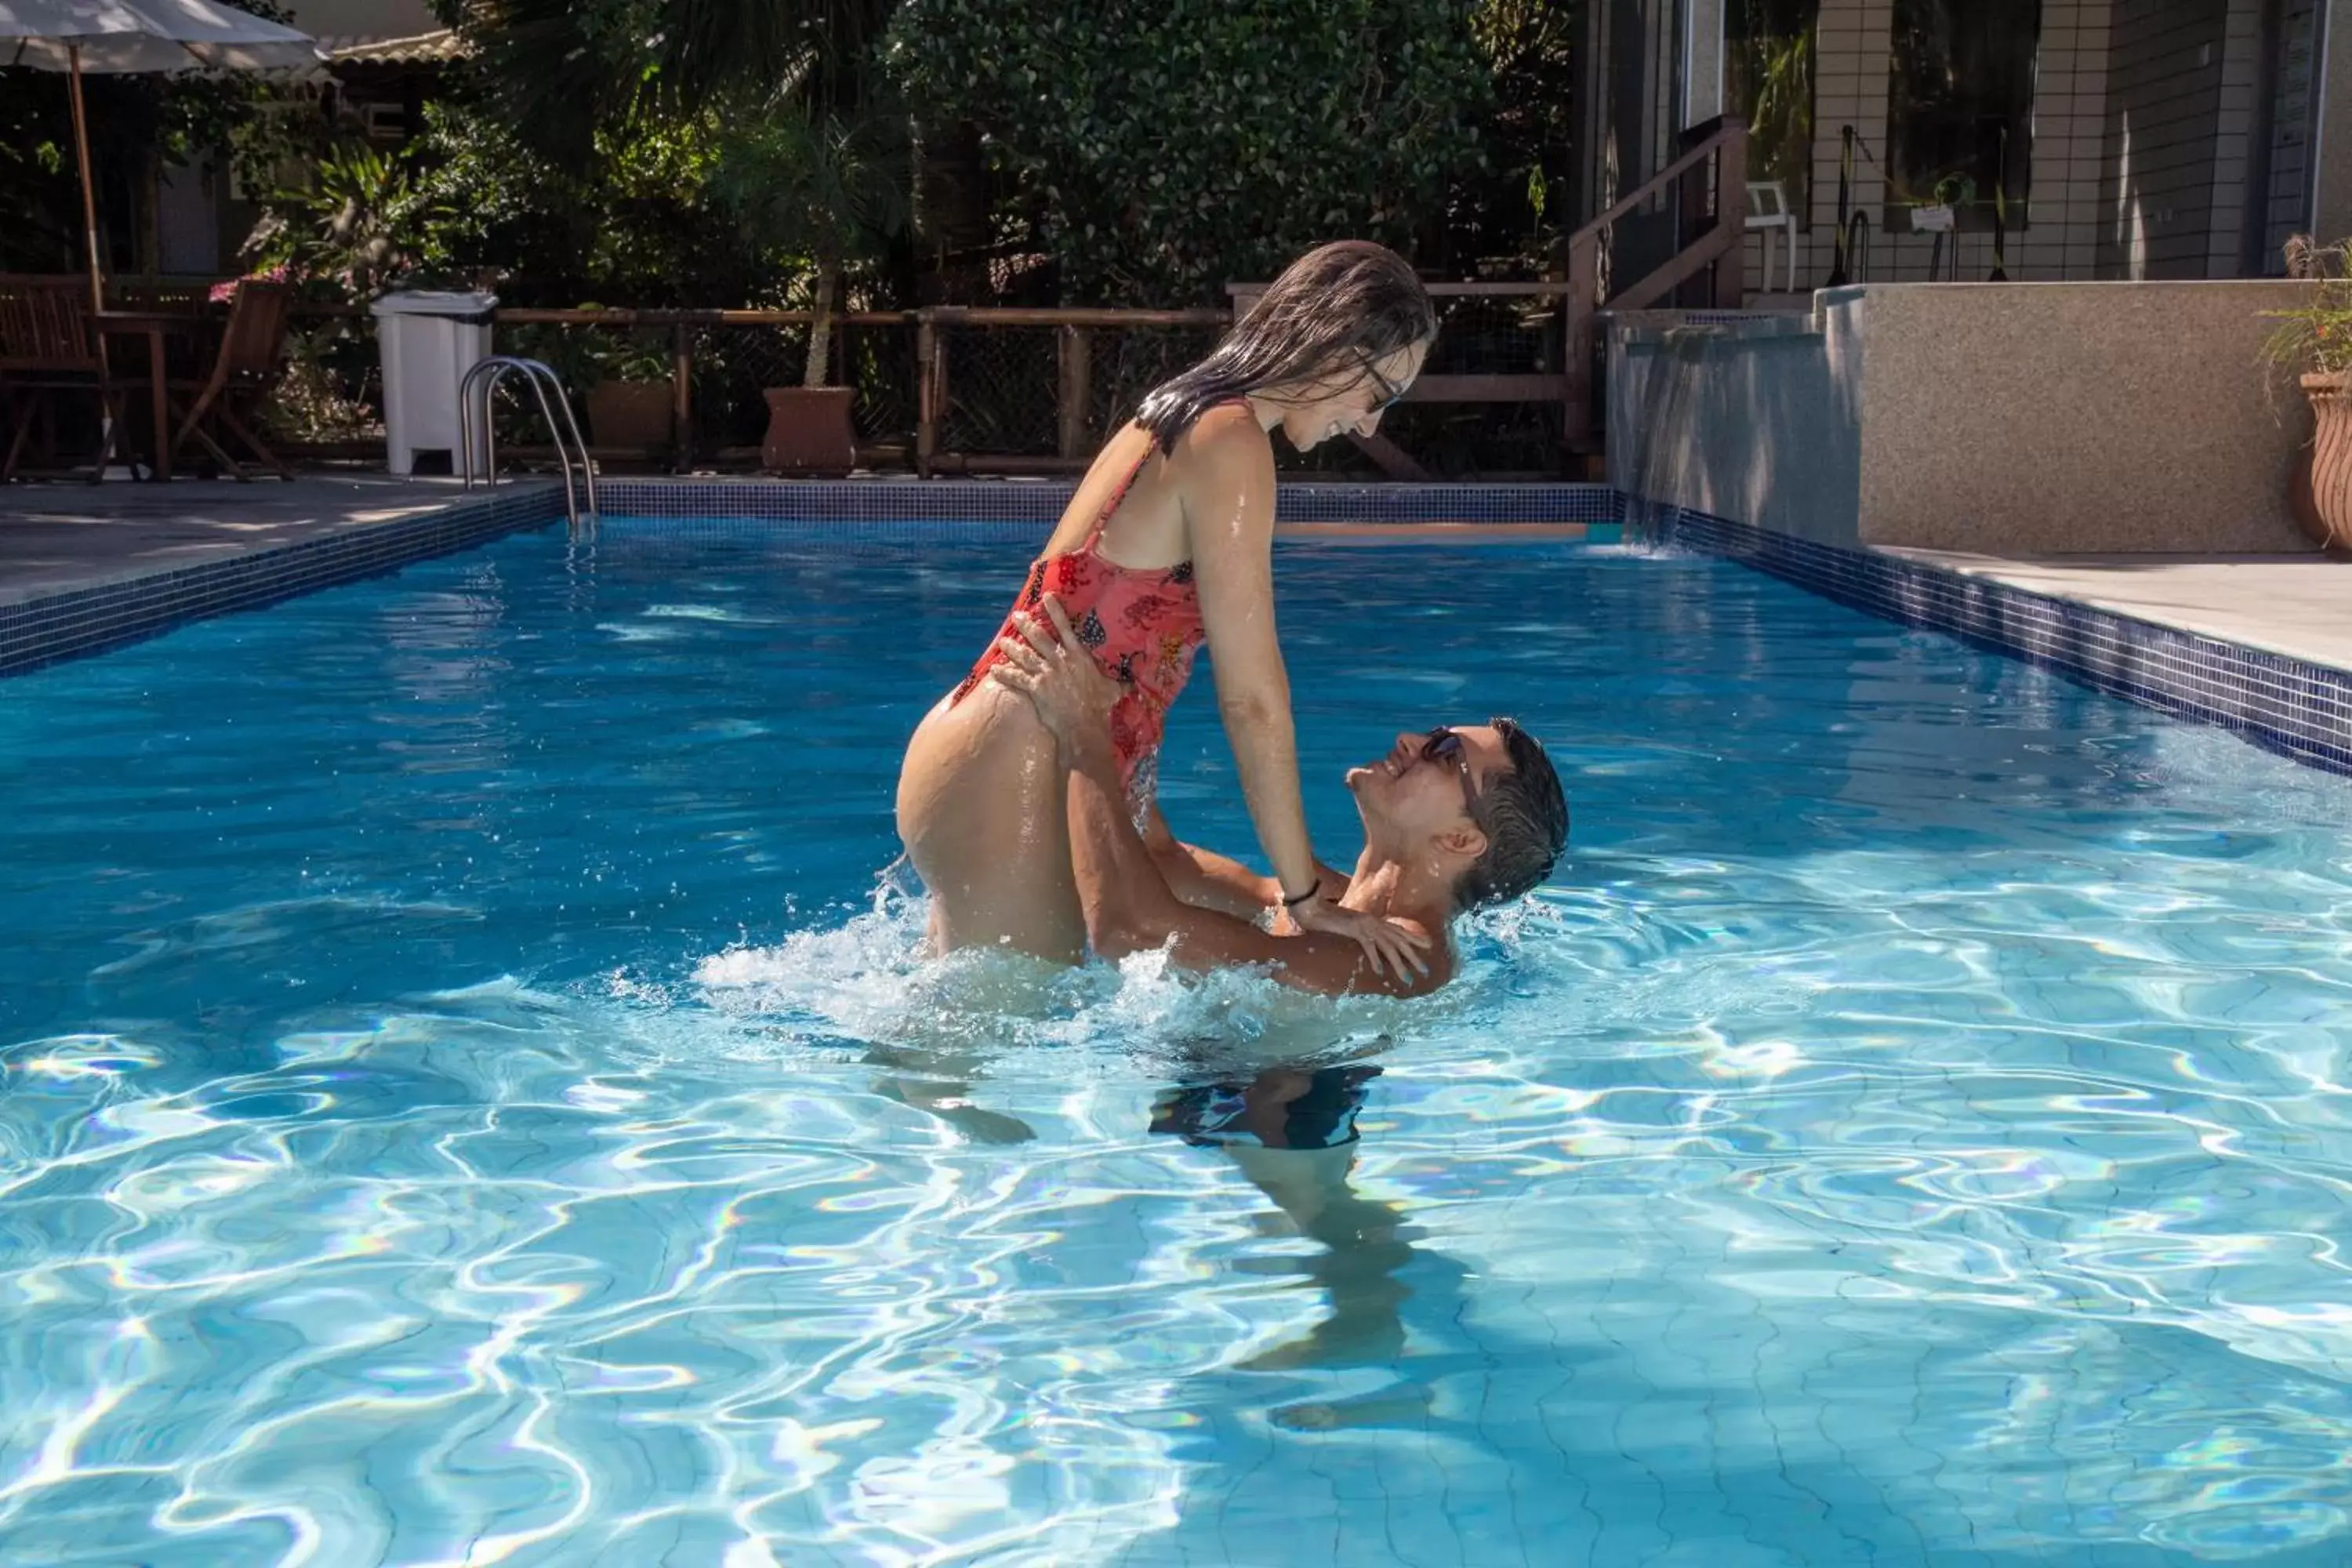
92,619
2292,706
2295,707
79,621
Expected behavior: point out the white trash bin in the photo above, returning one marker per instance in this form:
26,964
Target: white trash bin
429,341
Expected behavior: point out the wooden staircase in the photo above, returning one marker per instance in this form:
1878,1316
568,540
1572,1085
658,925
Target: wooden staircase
1707,187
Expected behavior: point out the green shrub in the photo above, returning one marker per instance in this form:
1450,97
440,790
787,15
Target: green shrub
1161,148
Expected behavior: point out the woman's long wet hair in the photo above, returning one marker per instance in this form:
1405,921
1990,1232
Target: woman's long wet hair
1333,311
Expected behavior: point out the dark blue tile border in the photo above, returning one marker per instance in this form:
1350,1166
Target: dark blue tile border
90,620
1042,500
2301,710
2298,709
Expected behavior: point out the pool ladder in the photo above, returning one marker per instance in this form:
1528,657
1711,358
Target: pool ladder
481,382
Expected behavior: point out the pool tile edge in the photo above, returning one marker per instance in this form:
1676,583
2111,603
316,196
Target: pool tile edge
2292,705
74,623
1041,501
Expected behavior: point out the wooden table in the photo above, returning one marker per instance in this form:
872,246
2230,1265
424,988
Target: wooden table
152,325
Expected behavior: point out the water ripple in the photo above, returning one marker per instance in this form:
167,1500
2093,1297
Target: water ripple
472,1103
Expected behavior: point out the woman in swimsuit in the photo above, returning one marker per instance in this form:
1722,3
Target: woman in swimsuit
1167,544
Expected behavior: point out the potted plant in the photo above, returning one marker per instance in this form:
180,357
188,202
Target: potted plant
2315,339
628,391
828,191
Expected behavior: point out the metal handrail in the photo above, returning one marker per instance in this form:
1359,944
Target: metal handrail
485,374
1857,246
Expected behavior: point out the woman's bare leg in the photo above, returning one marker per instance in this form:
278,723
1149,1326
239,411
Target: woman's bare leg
982,809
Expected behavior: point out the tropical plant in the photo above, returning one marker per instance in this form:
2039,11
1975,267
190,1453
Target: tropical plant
562,71
355,227
1528,134
1956,190
2315,337
1160,148
828,190
1768,52
313,400
636,227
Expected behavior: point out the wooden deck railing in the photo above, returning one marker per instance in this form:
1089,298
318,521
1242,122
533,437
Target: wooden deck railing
981,389
1556,386
1708,183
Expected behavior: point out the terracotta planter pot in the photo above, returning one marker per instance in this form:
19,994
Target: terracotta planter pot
809,431
2321,491
629,414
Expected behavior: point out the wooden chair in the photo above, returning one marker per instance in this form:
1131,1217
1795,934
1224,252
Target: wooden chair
251,358
47,350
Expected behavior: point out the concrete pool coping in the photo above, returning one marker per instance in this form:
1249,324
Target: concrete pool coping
2300,606
57,538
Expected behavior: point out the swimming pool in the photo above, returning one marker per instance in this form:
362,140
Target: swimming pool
470,1096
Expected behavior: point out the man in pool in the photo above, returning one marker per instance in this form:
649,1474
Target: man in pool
1453,820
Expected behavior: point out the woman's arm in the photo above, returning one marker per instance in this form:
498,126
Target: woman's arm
1229,517
1228,494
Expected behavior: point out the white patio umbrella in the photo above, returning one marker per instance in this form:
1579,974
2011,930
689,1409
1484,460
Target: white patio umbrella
119,37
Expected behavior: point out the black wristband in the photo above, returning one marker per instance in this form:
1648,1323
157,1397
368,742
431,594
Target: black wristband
1313,889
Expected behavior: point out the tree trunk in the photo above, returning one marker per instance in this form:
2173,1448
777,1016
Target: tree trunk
820,346
951,228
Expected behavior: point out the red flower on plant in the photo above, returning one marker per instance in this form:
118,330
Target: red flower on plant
222,293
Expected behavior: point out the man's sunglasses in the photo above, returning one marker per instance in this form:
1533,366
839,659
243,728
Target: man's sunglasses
1442,745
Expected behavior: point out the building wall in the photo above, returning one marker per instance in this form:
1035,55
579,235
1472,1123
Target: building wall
2332,176
2163,113
2015,419
1850,68
2293,87
2149,160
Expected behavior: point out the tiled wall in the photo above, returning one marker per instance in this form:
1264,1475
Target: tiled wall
1850,68
2158,189
1850,64
2292,82
2144,124
2069,97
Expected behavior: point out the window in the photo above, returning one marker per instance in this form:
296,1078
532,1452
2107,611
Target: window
1960,107
1768,82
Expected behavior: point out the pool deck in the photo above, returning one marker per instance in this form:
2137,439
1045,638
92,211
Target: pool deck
2299,606
57,537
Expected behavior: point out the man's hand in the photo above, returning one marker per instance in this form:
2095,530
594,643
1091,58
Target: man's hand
1071,694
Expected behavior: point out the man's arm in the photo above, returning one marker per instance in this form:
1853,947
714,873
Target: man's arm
1130,907
1208,881
1205,878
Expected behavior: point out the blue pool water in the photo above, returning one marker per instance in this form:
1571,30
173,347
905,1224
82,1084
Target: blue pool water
469,1095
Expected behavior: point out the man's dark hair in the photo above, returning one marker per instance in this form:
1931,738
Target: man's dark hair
1524,815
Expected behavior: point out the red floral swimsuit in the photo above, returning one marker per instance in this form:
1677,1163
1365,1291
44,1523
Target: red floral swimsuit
1143,624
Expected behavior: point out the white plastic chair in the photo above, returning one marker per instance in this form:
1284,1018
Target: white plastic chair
1768,210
